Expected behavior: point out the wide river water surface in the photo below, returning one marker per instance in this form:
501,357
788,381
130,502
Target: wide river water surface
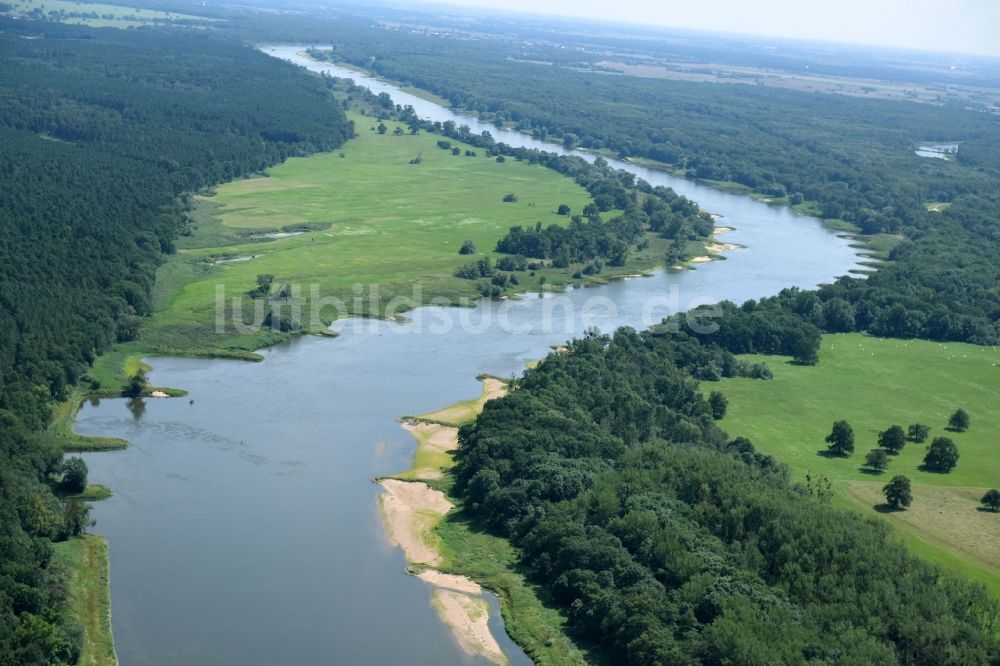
244,526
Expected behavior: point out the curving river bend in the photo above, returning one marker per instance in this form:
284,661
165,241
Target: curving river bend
245,529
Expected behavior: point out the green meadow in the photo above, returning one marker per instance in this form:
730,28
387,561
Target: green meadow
85,561
113,16
874,383
364,216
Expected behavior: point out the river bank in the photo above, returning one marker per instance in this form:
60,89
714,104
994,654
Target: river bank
411,511
457,558
85,560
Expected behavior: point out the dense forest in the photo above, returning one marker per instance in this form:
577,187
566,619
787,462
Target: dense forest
668,543
849,158
102,132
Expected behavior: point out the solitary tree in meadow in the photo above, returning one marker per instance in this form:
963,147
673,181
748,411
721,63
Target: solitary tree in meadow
676,252
959,421
918,432
468,247
898,493
942,456
564,209
991,500
892,440
841,439
264,281
877,460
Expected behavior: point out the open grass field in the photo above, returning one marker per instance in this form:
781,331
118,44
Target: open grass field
86,560
100,15
365,216
874,383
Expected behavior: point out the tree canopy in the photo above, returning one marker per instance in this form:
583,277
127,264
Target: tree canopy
898,493
841,439
942,455
959,421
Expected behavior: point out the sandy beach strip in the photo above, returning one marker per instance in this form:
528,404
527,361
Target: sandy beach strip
468,618
412,509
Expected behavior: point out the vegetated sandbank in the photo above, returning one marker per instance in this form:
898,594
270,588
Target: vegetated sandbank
714,248
411,509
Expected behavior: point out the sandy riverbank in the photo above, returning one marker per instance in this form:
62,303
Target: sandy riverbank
435,442
468,618
715,248
411,509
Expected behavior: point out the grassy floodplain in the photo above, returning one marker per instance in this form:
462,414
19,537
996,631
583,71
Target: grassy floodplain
85,559
363,215
372,218
108,16
874,383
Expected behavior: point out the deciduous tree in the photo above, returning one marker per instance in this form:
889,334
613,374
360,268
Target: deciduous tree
917,432
136,384
942,456
898,493
841,439
74,476
877,460
959,421
717,401
892,440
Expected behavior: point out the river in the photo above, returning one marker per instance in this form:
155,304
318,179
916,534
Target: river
244,528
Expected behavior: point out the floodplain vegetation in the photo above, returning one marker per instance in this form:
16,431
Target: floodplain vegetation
604,478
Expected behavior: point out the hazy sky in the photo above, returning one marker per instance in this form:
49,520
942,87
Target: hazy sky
963,26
